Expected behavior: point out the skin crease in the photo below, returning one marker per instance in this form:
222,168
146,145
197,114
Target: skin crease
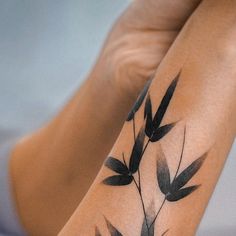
205,102
56,164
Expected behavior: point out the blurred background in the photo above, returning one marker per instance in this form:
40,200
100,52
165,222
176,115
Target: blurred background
46,50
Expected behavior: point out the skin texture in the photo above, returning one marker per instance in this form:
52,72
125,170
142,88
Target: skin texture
56,164
204,104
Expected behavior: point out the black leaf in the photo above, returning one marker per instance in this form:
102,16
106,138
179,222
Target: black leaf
179,194
97,232
148,114
148,221
139,101
163,174
137,151
145,231
112,229
118,180
188,173
165,102
161,132
116,165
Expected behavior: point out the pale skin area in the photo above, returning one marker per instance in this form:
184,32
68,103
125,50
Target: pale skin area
57,164
205,102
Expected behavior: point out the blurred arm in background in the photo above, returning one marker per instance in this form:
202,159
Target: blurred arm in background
53,168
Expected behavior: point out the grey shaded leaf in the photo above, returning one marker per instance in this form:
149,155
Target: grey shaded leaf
163,173
145,231
116,165
188,173
148,115
161,132
136,154
139,101
165,102
118,180
150,215
97,232
182,193
112,229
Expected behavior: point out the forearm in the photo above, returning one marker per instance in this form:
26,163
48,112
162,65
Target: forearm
203,105
49,165
55,160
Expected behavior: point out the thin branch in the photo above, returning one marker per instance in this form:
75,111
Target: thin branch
134,128
158,212
140,194
145,147
165,232
182,152
143,206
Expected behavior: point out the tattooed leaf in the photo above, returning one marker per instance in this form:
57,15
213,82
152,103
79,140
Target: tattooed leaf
182,193
97,232
139,101
148,114
136,153
161,132
145,231
112,229
188,173
165,102
118,180
147,221
147,106
116,165
163,174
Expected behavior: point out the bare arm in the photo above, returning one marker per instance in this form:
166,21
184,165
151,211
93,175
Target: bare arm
162,180
57,163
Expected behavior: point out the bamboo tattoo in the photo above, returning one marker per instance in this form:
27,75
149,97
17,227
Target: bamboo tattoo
174,189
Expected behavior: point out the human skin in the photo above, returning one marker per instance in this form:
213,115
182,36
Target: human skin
204,105
53,168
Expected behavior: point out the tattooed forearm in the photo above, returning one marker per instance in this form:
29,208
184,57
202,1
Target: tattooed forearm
128,172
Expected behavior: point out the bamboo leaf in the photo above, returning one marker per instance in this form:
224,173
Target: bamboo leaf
148,115
165,103
182,193
150,214
118,180
161,132
116,165
97,232
188,173
139,101
112,229
145,231
137,151
163,174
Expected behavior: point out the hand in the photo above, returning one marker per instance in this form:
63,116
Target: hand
139,41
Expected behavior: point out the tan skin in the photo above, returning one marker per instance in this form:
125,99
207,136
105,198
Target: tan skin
204,103
56,164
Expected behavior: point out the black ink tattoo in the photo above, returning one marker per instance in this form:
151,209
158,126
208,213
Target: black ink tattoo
112,229
139,101
129,172
97,232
